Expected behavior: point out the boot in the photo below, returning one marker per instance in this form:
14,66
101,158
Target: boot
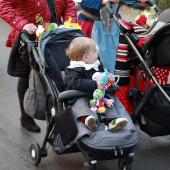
29,124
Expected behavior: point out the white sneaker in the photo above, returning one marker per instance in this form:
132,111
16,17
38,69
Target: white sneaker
119,124
90,122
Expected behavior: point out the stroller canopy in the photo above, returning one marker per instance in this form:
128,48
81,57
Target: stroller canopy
165,16
63,37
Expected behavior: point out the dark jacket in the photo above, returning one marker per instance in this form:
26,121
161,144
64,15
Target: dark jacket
80,79
16,66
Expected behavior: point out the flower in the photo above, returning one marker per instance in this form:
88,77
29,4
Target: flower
45,27
129,14
50,26
70,24
143,18
146,19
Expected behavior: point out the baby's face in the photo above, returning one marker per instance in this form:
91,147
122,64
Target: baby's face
92,56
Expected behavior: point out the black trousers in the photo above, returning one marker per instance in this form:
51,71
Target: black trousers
22,86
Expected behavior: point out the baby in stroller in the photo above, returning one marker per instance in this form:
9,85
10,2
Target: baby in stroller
78,76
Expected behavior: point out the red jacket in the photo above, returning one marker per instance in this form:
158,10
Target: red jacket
21,12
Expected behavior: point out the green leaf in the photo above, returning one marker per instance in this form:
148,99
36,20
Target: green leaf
39,19
144,25
40,34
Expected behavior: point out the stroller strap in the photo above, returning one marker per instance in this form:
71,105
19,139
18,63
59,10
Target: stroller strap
52,10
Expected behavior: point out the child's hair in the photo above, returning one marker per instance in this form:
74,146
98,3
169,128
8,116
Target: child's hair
78,47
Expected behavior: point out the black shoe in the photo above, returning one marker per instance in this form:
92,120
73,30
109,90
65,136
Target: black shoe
29,124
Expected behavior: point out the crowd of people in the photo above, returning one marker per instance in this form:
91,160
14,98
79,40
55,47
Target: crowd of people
94,20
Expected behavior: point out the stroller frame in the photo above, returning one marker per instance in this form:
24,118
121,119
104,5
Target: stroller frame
37,151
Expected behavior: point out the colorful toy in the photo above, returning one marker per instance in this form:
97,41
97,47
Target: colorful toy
93,105
98,95
98,101
104,77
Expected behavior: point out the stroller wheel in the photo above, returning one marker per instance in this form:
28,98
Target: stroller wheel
35,153
124,166
89,166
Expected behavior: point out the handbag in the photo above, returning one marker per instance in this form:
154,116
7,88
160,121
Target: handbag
35,96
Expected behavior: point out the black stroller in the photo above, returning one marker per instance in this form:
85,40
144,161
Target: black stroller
151,105
118,145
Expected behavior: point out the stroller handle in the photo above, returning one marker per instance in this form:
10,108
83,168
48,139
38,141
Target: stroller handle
25,38
30,46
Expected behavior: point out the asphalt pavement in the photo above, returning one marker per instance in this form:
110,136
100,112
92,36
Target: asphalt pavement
150,153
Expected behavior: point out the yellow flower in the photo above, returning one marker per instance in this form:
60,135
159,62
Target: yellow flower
67,23
70,24
76,25
144,12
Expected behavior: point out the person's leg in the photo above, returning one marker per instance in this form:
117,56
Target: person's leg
26,121
81,110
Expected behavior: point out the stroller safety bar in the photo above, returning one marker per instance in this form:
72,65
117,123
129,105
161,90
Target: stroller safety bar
76,93
71,93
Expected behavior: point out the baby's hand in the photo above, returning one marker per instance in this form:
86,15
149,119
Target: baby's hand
100,85
111,79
